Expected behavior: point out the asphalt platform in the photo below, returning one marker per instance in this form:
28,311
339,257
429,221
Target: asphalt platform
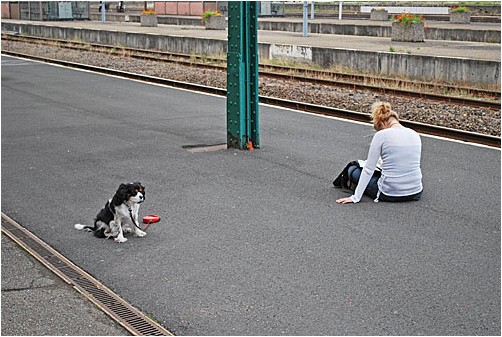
250,242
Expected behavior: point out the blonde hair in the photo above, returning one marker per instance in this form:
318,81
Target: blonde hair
381,112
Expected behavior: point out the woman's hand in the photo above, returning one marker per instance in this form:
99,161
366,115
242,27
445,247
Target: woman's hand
344,201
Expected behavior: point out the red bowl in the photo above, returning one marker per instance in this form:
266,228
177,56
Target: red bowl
151,218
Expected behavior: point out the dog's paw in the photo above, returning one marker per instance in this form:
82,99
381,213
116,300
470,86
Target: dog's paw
127,229
120,240
140,234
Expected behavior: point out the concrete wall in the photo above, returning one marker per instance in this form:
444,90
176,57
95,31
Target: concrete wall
489,36
385,63
413,66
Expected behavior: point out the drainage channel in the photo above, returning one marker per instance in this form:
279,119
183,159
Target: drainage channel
119,310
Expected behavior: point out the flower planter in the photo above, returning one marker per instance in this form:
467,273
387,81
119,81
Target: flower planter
460,17
148,20
216,23
379,15
414,32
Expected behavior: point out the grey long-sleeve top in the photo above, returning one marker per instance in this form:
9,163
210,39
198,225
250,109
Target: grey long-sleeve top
400,149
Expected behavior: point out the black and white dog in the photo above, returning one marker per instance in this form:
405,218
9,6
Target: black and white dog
120,214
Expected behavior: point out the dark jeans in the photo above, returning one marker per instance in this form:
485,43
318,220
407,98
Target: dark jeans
372,188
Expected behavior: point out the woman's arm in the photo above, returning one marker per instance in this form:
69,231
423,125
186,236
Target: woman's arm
368,169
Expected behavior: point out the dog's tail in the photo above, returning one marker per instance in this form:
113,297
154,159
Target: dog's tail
99,231
80,227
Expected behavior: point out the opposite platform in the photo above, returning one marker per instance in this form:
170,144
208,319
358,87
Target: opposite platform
430,60
473,50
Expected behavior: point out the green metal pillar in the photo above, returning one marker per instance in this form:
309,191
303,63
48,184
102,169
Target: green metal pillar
243,129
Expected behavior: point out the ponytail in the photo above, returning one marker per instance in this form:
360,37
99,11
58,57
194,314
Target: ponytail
381,112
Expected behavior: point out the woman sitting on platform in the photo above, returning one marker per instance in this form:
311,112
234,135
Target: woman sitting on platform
399,149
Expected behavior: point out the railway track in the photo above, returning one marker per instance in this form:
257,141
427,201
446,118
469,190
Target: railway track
392,86
461,135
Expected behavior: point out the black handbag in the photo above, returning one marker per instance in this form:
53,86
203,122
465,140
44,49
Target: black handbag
343,179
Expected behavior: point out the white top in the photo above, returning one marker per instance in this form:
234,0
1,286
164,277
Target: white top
400,149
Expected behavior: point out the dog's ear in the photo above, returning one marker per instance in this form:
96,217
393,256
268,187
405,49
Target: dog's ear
120,195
